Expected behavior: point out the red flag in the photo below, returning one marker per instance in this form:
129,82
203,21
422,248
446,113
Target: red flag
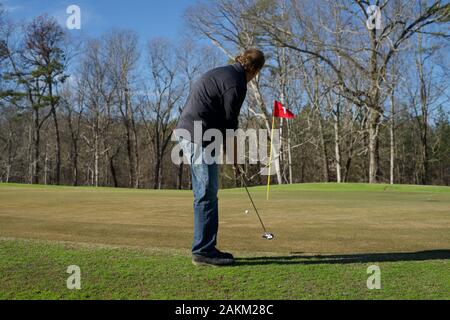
281,112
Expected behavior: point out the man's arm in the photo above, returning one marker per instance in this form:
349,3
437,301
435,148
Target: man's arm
233,100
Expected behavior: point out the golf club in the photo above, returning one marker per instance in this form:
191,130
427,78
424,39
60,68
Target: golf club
267,235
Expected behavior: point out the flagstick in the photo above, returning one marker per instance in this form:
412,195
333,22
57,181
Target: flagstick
270,161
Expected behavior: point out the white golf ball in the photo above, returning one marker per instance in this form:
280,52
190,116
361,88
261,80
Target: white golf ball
247,212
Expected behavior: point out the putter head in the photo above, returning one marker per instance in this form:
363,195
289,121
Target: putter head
268,236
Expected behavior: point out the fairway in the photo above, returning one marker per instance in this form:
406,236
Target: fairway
135,243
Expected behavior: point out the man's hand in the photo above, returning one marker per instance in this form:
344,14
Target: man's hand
239,170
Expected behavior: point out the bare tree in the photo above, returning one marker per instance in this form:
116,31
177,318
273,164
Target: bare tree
123,58
73,101
312,30
162,100
99,99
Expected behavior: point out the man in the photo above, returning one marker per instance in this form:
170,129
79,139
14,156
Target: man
215,101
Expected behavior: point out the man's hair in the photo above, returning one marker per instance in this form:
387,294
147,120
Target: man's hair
252,60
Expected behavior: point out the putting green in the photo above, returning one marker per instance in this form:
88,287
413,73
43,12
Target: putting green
316,218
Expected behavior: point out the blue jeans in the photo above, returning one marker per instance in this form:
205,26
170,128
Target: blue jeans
205,184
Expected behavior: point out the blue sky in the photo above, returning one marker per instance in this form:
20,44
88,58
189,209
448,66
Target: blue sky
150,18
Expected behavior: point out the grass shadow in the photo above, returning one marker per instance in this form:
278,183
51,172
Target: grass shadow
301,259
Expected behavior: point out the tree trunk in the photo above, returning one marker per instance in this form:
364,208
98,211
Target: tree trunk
291,181
36,147
180,177
157,180
74,157
75,170
131,142
30,153
57,134
423,121
10,159
96,161
137,184
425,157
424,134
348,165
58,148
375,110
325,166
46,166
8,172
113,171
337,144
130,153
374,145
392,136
74,152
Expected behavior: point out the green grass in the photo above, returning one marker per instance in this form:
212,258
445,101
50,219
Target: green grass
37,270
352,187
134,244
346,187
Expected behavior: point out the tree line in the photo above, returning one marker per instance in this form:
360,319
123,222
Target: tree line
372,104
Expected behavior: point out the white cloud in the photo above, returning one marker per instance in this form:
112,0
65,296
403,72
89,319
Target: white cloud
9,8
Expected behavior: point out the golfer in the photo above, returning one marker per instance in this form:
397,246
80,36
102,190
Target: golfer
215,101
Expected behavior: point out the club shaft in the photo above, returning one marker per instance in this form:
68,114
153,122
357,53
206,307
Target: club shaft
253,203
